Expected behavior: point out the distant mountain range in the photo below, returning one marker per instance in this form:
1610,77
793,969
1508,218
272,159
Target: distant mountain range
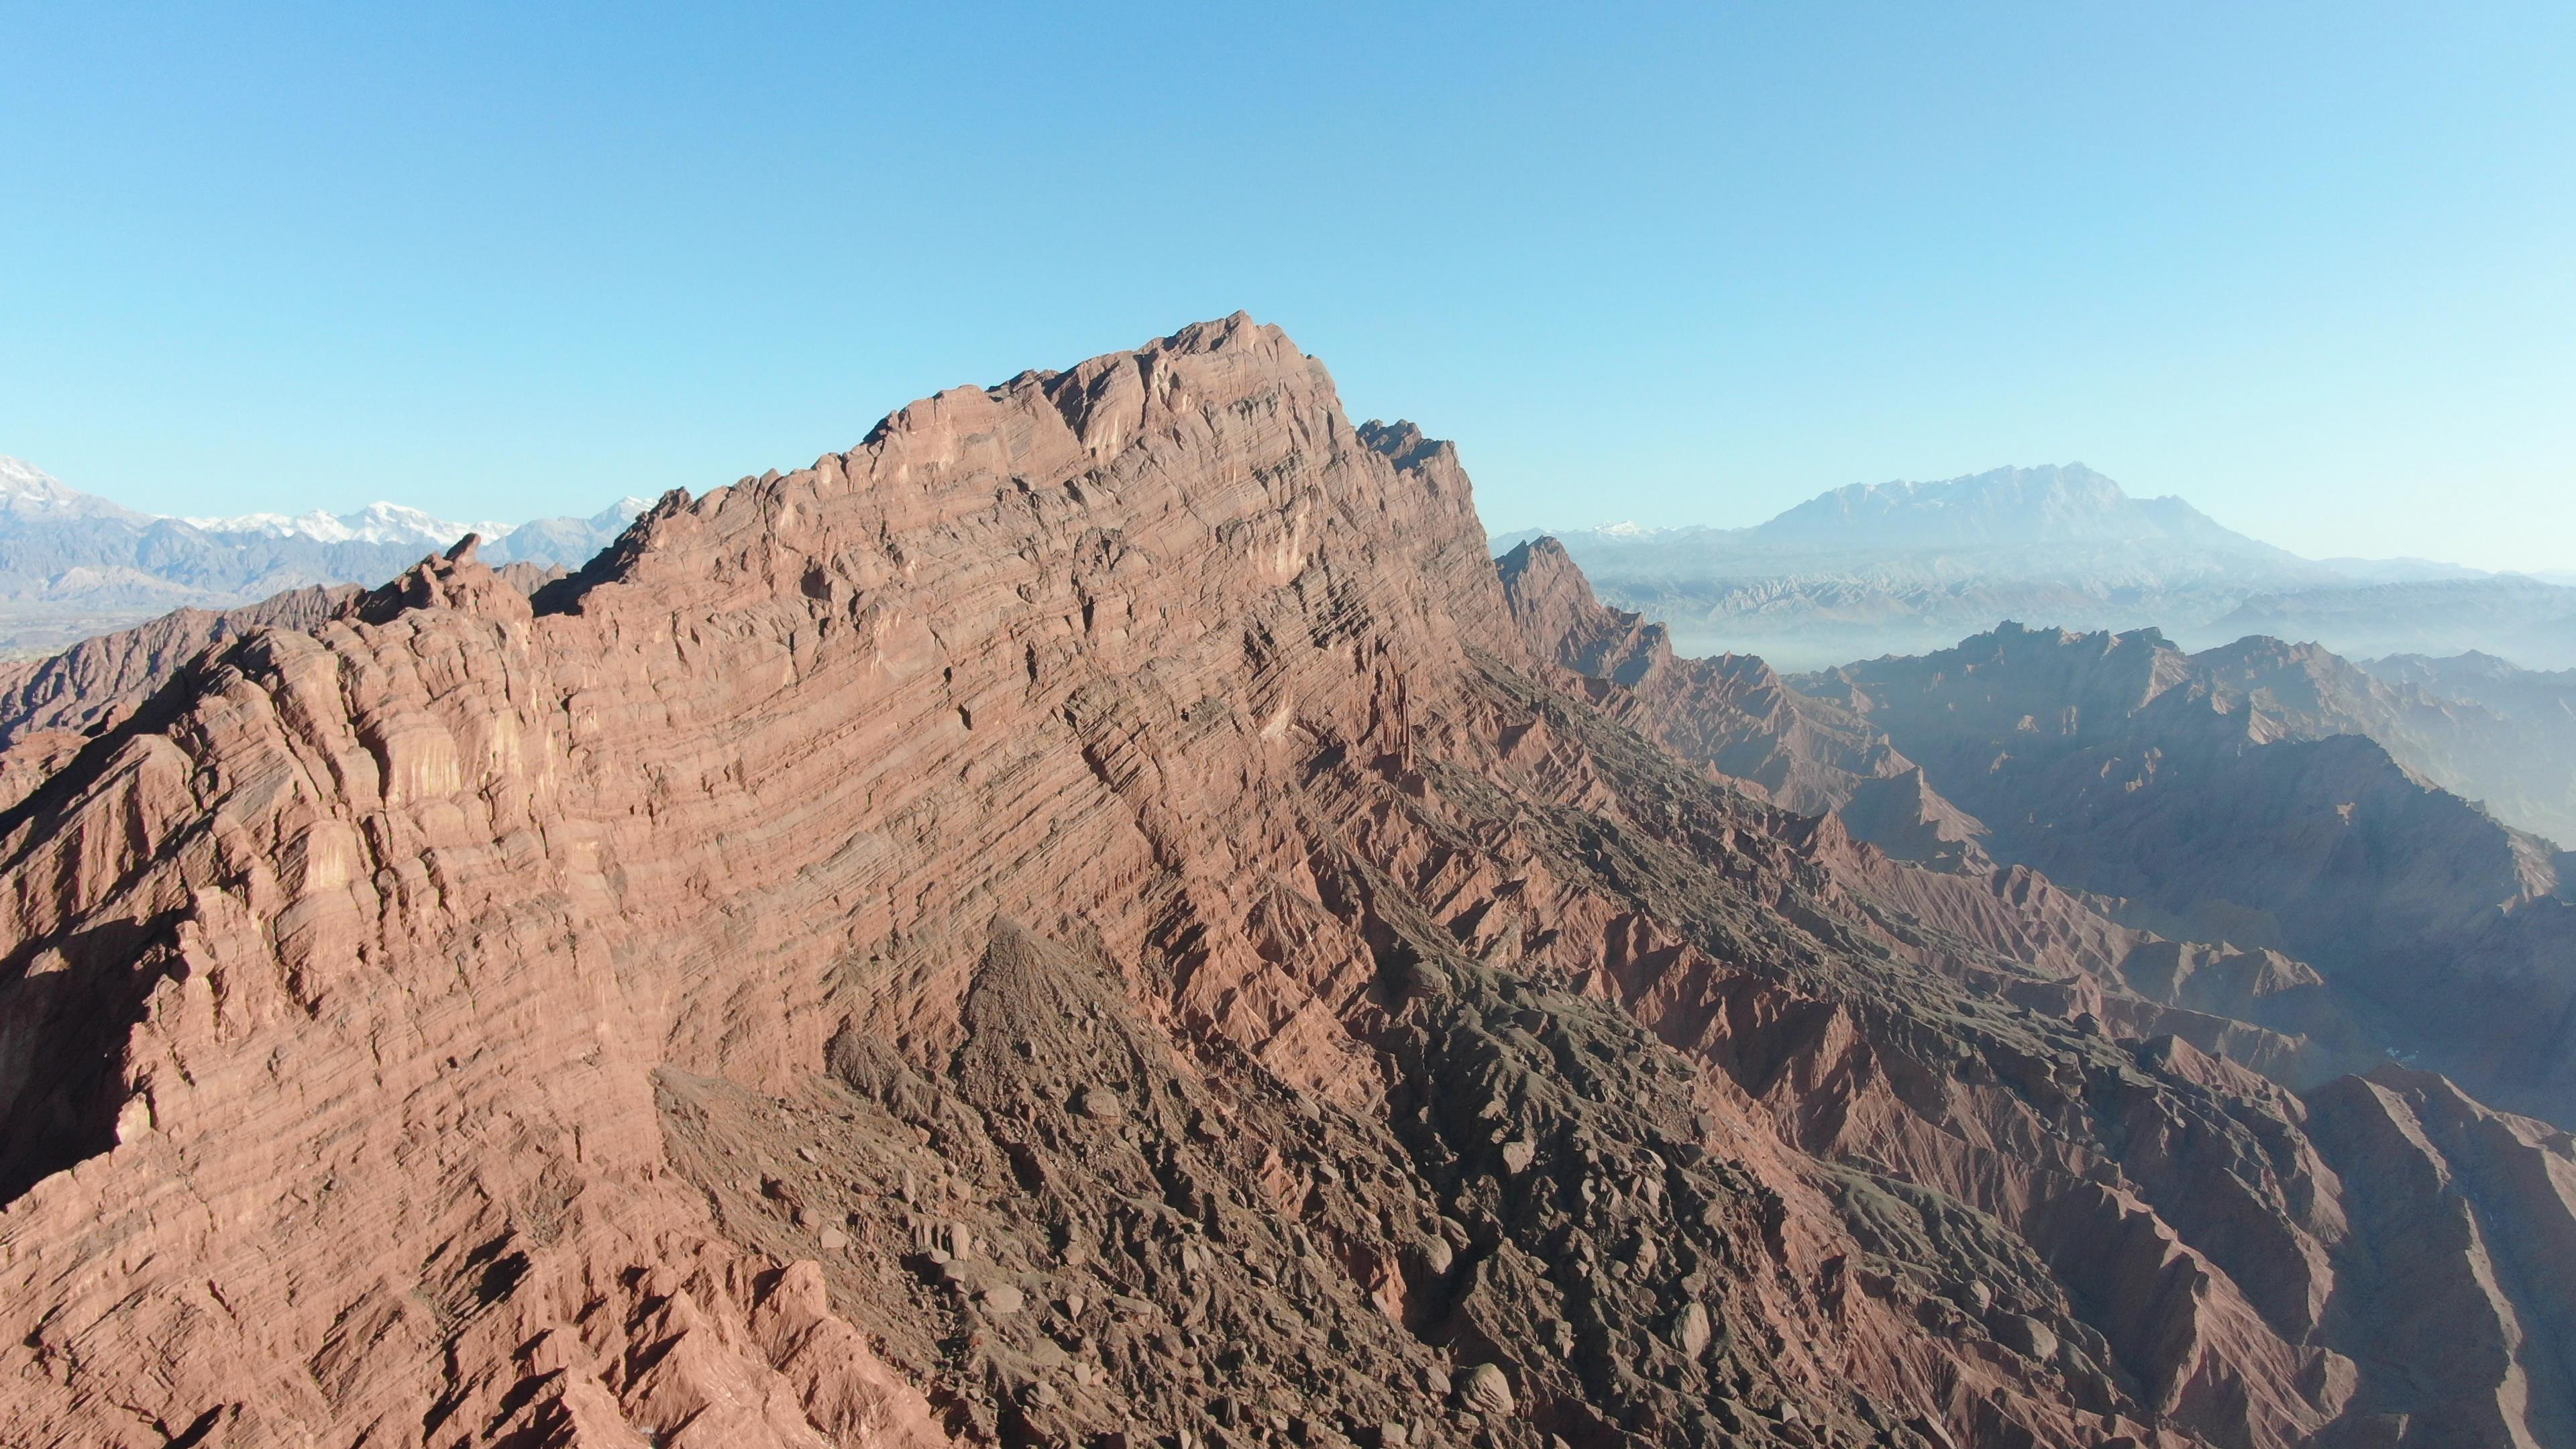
73,565
1909,567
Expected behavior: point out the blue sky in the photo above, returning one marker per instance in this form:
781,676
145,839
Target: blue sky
2312,266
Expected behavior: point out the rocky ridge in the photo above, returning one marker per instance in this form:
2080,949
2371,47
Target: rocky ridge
2343,1129
1734,714
90,684
2218,797
1087,919
2518,723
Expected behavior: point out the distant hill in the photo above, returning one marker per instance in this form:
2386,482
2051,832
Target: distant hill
2522,619
1911,567
2274,796
2006,508
73,565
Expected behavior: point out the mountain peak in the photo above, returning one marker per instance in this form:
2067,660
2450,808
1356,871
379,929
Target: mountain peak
27,491
378,522
2053,503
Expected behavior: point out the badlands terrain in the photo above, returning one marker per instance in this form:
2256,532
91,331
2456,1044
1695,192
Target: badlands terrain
1102,916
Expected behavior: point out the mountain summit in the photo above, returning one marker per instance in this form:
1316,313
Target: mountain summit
29,492
2057,503
394,523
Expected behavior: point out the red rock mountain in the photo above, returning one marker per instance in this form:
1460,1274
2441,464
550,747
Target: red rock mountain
1091,919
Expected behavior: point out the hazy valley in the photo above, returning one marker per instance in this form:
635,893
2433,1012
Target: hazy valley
1908,568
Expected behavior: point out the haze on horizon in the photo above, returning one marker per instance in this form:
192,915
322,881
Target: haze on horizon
2305,267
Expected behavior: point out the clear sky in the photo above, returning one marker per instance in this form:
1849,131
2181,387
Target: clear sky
2311,265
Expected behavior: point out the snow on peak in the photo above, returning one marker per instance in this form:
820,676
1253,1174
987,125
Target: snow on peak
375,523
29,491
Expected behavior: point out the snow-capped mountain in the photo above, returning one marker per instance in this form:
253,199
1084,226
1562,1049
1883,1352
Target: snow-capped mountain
27,491
394,523
73,564
375,523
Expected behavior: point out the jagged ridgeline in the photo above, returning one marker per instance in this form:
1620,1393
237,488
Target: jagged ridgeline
1100,918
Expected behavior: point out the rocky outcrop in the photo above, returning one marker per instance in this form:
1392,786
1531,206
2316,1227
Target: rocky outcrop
1077,921
49,707
96,682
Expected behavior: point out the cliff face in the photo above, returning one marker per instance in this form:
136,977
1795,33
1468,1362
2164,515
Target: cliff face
1085,915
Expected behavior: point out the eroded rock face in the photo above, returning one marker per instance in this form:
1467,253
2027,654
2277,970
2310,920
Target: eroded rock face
97,680
50,707
2467,1220
1085,916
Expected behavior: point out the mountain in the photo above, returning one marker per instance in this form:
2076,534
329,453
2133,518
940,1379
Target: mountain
376,523
2528,696
1909,568
2113,977
1733,714
2232,796
2474,725
27,492
2518,756
1102,915
566,541
2012,509
73,566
